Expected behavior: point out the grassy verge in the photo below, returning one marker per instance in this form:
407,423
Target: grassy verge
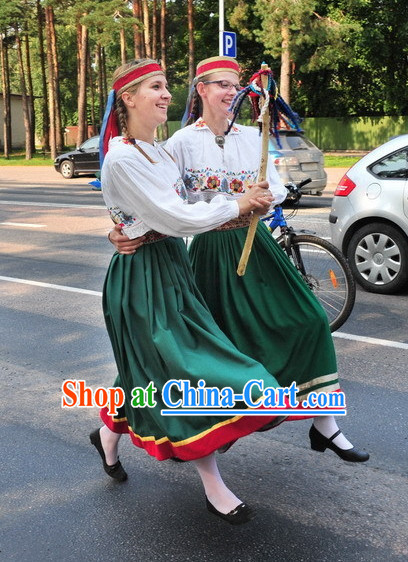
18,159
332,161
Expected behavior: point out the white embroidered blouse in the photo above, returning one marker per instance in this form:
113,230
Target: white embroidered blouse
208,170
145,195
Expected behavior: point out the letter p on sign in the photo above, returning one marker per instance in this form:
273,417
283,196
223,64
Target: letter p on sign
229,44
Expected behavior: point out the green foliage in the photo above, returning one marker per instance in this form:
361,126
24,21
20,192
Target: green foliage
333,161
349,57
105,19
19,159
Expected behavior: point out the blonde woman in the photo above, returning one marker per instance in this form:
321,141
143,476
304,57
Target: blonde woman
269,313
158,323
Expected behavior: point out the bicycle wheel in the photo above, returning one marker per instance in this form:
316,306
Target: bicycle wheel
327,273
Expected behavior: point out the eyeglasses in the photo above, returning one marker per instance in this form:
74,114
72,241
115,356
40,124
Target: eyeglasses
224,84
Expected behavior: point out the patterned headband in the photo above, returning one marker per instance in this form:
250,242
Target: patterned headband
110,126
216,64
136,75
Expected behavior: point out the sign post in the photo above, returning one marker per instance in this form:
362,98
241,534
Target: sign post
221,26
227,39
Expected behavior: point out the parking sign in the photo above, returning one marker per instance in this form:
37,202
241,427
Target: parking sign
229,44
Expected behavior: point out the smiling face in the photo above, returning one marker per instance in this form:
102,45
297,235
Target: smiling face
148,102
214,96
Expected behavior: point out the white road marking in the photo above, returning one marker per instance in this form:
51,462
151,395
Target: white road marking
51,286
32,204
25,224
343,335
311,219
373,341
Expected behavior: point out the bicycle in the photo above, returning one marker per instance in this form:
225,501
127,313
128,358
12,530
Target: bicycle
322,266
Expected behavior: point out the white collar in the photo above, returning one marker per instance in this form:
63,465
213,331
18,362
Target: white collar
201,125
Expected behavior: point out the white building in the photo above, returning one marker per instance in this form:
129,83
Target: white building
17,122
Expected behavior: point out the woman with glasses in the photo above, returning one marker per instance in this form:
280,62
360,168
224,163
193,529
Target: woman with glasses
269,313
160,328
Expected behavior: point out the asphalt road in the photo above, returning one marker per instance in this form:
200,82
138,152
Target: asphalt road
56,503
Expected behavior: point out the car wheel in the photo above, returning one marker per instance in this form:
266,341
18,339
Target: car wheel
378,257
67,169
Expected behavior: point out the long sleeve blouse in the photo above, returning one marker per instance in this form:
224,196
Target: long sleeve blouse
142,189
208,169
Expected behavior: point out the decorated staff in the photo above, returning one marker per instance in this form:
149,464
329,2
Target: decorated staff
270,110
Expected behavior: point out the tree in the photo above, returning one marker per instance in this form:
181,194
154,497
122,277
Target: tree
137,34
190,17
146,29
56,137
82,83
154,29
28,67
45,137
310,43
163,35
5,82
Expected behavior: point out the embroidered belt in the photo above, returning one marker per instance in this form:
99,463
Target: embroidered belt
153,236
240,222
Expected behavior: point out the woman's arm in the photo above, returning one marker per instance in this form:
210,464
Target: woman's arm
126,245
139,192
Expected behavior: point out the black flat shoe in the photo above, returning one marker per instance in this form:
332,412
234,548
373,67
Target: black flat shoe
115,471
319,442
241,514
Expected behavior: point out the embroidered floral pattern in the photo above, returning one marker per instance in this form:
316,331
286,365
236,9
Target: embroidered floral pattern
213,182
219,180
201,124
180,189
237,186
119,217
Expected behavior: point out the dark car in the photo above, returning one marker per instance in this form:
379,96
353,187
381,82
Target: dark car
297,160
83,160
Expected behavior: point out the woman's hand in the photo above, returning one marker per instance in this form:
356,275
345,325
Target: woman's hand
122,243
264,184
257,199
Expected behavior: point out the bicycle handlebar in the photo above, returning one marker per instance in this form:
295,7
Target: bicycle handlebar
296,188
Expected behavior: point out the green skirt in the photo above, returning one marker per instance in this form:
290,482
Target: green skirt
161,329
269,314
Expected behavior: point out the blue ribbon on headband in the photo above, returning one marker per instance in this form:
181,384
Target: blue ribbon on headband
109,126
187,111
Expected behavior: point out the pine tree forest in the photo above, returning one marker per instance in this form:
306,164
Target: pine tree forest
330,58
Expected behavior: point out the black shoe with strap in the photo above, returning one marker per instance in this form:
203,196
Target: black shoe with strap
319,442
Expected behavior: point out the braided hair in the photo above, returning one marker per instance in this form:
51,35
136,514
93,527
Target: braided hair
120,108
196,107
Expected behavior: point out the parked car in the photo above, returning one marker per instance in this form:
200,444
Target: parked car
83,160
369,217
297,160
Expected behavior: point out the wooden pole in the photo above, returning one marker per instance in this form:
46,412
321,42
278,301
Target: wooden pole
261,177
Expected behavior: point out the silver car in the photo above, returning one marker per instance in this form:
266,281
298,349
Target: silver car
369,217
297,160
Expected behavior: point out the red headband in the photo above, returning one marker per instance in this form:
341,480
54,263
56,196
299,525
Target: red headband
110,126
217,64
135,74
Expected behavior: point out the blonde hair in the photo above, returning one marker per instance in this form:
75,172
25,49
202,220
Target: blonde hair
132,87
